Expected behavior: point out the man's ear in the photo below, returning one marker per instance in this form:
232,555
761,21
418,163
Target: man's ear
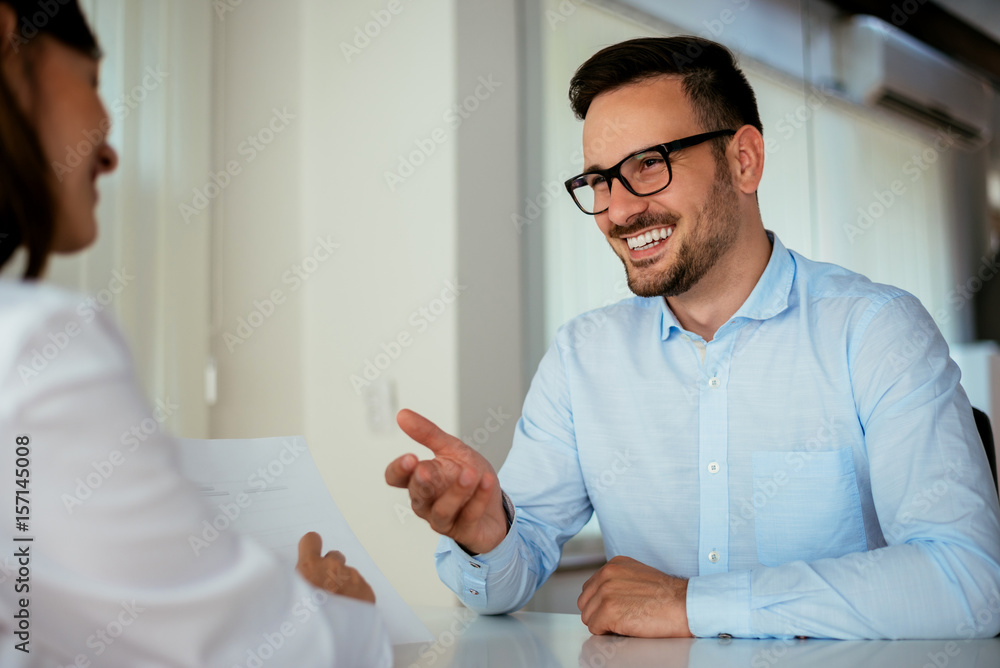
747,151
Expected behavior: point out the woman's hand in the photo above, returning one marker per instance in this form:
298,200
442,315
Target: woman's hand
330,572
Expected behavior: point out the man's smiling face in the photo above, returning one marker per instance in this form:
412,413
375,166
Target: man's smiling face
686,228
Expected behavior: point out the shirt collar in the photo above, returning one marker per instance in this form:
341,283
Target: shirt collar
768,298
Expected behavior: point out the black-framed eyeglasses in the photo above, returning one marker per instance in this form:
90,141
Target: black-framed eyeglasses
643,173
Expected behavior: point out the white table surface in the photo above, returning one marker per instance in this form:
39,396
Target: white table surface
546,640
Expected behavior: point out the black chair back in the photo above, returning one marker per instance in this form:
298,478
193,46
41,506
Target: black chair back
986,433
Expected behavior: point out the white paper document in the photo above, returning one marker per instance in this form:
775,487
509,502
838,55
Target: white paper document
284,497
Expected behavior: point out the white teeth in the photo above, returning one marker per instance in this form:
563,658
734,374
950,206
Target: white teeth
643,240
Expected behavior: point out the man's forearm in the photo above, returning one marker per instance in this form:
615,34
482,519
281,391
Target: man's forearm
918,590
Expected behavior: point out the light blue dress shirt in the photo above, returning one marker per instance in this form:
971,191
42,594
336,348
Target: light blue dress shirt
814,470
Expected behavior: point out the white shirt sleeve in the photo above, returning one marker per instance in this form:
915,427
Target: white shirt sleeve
114,579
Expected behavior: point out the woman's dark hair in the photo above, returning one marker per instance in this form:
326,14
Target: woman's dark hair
27,206
719,92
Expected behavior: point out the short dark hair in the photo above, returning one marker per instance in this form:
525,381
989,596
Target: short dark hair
718,90
62,20
27,205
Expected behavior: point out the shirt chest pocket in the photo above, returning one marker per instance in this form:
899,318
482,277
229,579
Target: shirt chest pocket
806,506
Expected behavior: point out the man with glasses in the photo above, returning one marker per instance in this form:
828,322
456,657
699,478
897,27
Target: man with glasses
774,447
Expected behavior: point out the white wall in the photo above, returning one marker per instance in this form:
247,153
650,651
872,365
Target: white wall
361,107
257,69
398,248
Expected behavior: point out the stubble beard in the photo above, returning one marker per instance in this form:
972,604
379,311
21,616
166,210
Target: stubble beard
713,235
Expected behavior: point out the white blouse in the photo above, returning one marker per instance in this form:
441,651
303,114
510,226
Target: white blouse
112,580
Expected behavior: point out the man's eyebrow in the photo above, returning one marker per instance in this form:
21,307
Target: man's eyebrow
593,167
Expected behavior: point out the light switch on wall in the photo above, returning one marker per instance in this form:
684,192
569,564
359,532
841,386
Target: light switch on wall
380,405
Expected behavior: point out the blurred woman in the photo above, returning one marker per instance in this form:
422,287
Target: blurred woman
111,580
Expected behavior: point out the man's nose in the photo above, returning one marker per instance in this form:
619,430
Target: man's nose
622,204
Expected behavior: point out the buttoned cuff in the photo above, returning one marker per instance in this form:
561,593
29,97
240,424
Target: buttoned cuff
475,570
719,604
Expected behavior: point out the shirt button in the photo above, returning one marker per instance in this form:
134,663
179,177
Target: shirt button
713,556
475,565
713,467
714,381
474,592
